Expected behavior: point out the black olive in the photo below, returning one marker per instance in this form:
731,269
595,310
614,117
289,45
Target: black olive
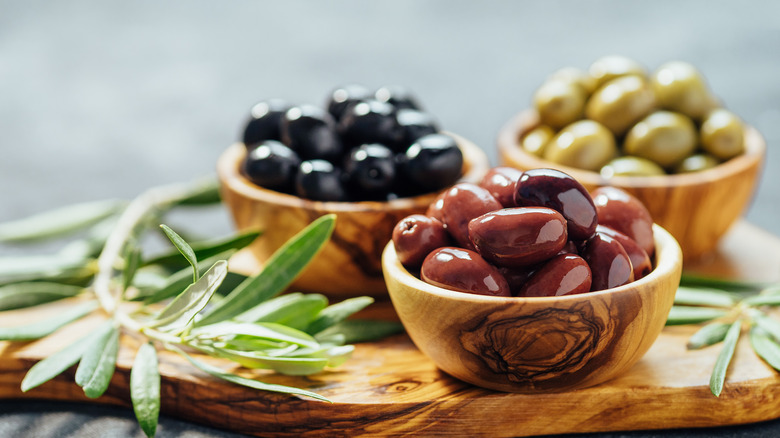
433,162
370,171
319,180
370,121
271,165
398,96
415,124
264,120
310,132
342,97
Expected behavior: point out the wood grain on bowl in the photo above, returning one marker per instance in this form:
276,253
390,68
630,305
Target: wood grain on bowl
349,264
696,208
534,345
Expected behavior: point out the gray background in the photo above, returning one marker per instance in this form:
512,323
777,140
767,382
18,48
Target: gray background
105,99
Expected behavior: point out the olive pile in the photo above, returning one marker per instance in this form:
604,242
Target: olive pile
364,145
618,119
529,234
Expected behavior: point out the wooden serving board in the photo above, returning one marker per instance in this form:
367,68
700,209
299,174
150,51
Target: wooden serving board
389,388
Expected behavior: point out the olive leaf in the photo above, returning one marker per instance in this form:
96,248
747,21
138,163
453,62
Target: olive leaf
58,222
54,365
261,330
718,376
771,326
359,330
40,267
184,248
145,388
280,270
203,192
292,366
20,295
294,310
97,364
204,250
766,347
338,312
710,334
39,329
692,280
763,300
179,281
679,315
703,297
180,312
132,262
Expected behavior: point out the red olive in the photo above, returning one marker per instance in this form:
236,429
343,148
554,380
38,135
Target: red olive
557,190
518,236
463,270
609,263
416,236
500,182
565,274
462,203
639,259
434,210
517,277
569,248
623,212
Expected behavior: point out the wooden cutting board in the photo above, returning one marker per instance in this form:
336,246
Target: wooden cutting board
389,388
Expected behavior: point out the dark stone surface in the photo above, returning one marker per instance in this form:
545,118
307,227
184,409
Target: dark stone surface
105,99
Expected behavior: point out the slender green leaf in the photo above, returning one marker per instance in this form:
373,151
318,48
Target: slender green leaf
39,329
90,246
54,365
272,348
771,290
703,297
694,280
38,267
765,347
58,222
291,366
679,315
238,380
178,314
132,262
181,279
204,250
20,295
145,388
768,324
184,248
763,300
338,312
204,192
718,376
710,334
279,272
261,330
359,330
97,364
293,310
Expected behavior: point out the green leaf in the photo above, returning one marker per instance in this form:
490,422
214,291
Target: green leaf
238,380
98,363
54,365
204,250
762,300
768,324
39,329
710,334
280,270
184,248
58,222
724,358
294,310
261,330
694,280
20,295
680,315
180,280
204,192
178,314
132,262
703,297
90,246
338,312
359,330
291,366
41,267
145,388
765,347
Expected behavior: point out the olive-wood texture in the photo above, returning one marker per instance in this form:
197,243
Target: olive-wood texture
390,388
537,344
350,263
696,208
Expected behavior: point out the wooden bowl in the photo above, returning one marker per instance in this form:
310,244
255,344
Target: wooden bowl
696,208
534,345
350,263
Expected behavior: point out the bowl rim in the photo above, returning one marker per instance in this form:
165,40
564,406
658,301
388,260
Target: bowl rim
232,179
668,257
524,121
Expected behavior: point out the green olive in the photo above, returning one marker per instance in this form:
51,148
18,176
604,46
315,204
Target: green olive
535,141
680,87
611,67
577,76
664,137
620,103
559,103
722,134
585,144
631,166
695,163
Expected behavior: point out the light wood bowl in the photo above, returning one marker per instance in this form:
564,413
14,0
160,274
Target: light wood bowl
696,208
350,263
535,345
